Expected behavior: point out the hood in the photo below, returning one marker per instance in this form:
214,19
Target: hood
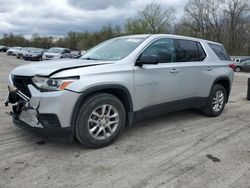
48,68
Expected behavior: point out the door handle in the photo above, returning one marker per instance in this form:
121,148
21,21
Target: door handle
174,71
209,68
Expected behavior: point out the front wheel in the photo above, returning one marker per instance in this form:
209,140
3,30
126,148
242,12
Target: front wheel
100,120
216,101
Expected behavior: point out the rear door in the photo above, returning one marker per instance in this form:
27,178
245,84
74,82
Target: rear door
195,74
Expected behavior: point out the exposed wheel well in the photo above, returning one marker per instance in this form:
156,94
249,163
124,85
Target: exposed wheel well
225,83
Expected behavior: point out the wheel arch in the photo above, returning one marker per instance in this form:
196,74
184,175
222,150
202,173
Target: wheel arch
121,92
225,82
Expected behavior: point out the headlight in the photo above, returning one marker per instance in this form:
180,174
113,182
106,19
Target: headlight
53,84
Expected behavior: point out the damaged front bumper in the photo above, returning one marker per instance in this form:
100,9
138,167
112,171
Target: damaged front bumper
46,113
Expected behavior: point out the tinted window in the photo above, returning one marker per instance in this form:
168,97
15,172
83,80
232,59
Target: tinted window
67,51
187,51
163,49
220,52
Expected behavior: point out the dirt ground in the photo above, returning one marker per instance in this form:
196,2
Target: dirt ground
181,149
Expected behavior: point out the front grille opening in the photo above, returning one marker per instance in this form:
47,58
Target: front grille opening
21,83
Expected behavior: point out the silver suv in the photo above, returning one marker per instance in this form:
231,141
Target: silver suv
117,83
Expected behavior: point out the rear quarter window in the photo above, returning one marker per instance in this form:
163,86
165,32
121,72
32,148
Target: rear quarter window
220,51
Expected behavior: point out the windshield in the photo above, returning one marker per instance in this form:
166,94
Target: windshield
25,49
114,49
55,50
36,50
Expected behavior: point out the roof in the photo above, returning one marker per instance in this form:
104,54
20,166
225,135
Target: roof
172,36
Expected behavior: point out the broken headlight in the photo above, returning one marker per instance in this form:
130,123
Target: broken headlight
53,84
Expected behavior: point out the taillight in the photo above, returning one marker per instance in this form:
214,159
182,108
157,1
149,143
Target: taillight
232,66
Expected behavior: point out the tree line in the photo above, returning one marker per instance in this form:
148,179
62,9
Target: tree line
223,21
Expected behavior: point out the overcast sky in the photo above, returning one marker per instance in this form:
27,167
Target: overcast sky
57,17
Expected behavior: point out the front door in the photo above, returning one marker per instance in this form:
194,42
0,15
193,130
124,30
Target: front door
157,84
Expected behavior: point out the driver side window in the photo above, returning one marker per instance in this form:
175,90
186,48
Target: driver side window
163,49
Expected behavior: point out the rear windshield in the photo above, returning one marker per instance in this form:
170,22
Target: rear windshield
220,51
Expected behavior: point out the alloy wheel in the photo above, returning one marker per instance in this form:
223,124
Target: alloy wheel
103,122
218,101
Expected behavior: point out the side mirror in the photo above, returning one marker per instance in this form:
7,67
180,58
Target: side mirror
147,60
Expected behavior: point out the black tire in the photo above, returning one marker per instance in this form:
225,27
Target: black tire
238,69
89,105
208,109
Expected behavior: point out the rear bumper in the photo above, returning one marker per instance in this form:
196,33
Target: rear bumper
52,133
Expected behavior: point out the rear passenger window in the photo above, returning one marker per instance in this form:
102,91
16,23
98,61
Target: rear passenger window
187,51
220,51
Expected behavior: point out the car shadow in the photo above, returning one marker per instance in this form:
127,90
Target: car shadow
157,122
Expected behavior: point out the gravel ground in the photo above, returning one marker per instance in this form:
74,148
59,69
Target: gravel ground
181,149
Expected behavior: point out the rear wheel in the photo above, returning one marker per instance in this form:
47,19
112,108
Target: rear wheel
216,101
100,120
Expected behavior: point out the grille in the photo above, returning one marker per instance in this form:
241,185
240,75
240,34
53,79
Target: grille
21,83
49,56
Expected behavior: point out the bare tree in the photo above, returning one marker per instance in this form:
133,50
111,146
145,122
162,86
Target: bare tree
136,26
157,20
235,10
152,19
195,16
215,18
